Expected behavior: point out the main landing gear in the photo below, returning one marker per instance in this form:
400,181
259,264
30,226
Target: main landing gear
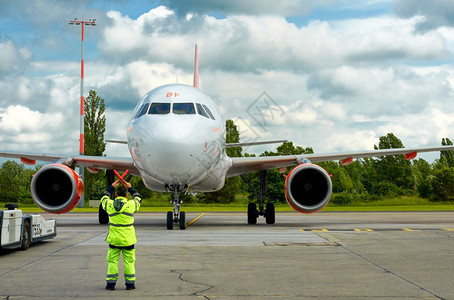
177,216
252,212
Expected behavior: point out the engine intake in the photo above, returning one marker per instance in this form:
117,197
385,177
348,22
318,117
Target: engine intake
308,188
56,188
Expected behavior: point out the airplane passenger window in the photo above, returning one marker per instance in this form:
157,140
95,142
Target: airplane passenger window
201,111
142,110
159,108
183,108
208,111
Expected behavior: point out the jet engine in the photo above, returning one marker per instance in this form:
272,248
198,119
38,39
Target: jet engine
308,188
56,188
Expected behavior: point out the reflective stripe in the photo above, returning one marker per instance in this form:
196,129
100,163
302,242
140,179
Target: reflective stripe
121,213
112,275
130,275
121,225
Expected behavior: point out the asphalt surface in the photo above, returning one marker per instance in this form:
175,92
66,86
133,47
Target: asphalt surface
323,256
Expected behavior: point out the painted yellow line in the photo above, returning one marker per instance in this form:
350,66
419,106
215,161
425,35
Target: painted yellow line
363,229
448,229
408,229
189,223
320,229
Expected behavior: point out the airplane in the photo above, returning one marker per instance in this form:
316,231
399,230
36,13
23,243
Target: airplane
177,143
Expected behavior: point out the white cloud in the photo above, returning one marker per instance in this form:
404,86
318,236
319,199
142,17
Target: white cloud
22,129
267,7
12,59
341,84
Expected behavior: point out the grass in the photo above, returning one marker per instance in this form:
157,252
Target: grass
400,203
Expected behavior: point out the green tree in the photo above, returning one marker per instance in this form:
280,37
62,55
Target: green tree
447,157
422,173
10,181
94,127
395,168
443,184
368,173
94,124
355,172
15,182
232,136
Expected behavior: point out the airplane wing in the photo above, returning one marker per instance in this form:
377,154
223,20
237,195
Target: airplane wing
233,145
92,162
243,165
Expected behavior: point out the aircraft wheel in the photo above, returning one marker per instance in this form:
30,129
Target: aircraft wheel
252,213
169,220
103,217
26,238
270,213
182,220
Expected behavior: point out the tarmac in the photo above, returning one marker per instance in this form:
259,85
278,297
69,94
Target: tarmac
361,255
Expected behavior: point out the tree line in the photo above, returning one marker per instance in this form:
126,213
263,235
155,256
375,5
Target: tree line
366,179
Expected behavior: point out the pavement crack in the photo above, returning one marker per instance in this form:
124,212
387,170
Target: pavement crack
391,272
198,293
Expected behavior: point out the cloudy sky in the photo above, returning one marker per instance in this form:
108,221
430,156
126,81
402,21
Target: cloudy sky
332,75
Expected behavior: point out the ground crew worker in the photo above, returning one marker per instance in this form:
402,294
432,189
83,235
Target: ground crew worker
121,236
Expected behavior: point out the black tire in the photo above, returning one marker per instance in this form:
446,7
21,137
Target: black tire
169,220
103,217
252,213
26,235
270,213
182,220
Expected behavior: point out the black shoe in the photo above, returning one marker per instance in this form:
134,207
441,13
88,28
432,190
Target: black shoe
110,286
130,286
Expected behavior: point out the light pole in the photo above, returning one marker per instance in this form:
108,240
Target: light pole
91,22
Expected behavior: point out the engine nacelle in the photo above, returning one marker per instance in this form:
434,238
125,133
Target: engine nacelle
308,188
56,188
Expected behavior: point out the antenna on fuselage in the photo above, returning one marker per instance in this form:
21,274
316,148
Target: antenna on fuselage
196,67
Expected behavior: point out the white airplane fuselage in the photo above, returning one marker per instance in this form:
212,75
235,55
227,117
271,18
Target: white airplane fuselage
176,138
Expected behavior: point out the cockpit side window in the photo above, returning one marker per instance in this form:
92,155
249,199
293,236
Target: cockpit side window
208,111
159,108
202,111
142,110
183,108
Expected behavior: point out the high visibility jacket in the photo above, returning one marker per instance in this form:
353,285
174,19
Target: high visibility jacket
121,221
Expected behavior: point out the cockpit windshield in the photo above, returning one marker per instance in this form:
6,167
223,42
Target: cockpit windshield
143,110
183,108
159,108
202,111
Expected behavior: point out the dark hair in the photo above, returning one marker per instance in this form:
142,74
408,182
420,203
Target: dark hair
121,191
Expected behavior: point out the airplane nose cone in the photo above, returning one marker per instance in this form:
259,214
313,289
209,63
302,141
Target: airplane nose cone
178,156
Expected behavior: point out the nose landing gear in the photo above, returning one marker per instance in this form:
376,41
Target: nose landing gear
177,216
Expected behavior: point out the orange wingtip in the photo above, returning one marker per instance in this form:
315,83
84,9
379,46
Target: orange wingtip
27,161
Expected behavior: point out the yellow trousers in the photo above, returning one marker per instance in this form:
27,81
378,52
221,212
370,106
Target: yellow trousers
129,259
